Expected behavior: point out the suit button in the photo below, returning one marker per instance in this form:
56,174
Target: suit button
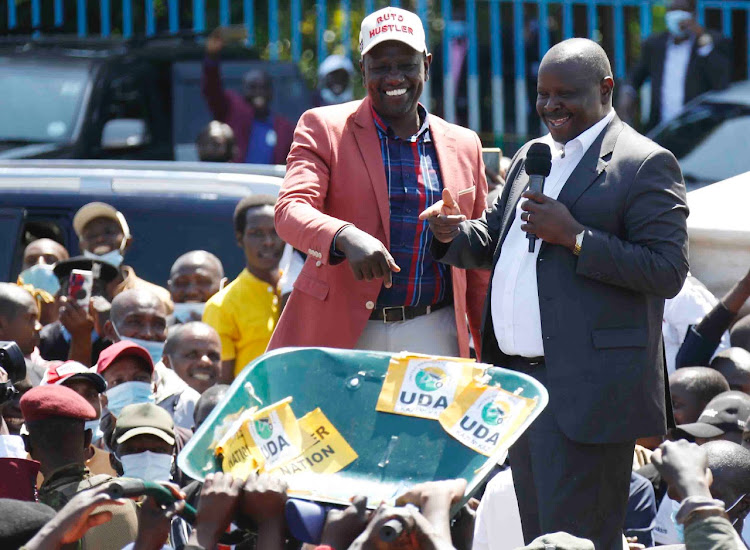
370,305
318,263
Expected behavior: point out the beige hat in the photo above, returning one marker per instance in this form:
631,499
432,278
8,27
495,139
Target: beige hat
392,24
94,210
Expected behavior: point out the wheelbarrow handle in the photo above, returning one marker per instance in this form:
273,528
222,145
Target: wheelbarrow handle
129,488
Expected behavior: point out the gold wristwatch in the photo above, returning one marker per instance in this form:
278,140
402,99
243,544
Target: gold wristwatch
579,243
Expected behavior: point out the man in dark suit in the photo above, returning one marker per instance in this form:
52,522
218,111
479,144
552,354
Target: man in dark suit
582,313
682,63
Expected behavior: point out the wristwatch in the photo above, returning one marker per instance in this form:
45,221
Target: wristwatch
579,243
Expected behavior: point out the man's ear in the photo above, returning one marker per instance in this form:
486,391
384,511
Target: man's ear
109,332
88,435
127,241
606,87
427,62
238,238
167,361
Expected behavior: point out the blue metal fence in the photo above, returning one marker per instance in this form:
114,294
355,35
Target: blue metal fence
494,25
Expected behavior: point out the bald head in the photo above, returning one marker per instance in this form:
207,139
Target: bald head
208,401
195,277
692,388
734,365
137,313
580,55
730,466
43,251
13,300
739,336
574,88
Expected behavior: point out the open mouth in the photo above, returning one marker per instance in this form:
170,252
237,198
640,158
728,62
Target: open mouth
558,121
395,93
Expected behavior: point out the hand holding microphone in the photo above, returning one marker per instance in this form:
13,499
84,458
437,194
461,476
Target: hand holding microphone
544,217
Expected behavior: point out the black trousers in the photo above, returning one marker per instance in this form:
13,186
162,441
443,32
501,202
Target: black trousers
563,485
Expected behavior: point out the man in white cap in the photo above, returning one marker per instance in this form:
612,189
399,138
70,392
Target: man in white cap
335,80
356,178
103,234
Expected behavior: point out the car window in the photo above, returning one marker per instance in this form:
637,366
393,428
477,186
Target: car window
126,98
49,98
710,142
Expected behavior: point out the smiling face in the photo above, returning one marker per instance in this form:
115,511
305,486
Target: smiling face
194,280
569,99
101,235
262,245
197,357
394,75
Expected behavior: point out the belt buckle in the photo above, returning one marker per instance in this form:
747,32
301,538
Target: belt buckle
387,309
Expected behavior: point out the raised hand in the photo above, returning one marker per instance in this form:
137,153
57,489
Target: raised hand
444,218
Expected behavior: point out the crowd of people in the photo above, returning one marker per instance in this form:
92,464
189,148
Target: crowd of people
383,238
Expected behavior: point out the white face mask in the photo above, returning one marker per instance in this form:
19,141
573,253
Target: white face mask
332,98
189,311
113,257
147,466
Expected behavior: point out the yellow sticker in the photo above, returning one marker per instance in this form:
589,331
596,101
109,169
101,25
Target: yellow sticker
326,450
424,386
273,434
484,417
235,449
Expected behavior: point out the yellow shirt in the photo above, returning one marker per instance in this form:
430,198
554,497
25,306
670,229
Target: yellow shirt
244,314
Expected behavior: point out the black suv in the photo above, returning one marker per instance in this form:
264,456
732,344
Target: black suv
66,97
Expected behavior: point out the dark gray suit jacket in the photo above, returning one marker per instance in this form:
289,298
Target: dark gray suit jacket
601,312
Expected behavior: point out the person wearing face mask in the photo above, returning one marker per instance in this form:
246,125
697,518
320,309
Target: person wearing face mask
261,136
89,385
78,328
139,318
683,62
143,443
128,370
194,278
335,81
39,259
104,234
55,418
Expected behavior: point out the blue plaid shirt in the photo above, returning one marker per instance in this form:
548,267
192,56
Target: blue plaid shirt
413,176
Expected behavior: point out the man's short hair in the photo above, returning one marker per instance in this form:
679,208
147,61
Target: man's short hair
702,382
739,336
251,201
207,402
584,52
730,466
176,333
12,298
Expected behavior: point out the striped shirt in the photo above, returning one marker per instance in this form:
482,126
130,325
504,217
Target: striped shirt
412,173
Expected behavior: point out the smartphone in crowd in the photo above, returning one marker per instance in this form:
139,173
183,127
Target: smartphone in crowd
80,284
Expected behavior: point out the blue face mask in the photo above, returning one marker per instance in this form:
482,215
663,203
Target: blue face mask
679,528
96,431
129,393
41,276
113,257
155,349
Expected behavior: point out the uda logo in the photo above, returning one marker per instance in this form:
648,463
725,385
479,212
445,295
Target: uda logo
264,428
430,379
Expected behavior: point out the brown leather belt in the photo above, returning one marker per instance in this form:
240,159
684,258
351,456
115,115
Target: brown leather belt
405,313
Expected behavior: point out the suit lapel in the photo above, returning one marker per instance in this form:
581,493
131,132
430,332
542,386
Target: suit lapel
592,164
366,136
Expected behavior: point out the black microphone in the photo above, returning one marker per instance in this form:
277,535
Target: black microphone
538,165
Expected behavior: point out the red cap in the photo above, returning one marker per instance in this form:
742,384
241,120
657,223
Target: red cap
123,348
44,402
73,370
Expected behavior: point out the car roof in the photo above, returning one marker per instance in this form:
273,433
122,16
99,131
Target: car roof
738,93
187,179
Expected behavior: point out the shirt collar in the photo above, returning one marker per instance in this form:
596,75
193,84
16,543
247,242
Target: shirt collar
584,139
386,130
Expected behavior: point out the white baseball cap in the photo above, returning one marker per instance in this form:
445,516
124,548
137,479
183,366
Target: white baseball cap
392,24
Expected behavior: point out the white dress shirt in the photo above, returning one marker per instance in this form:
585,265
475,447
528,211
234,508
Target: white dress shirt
676,60
515,297
498,521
